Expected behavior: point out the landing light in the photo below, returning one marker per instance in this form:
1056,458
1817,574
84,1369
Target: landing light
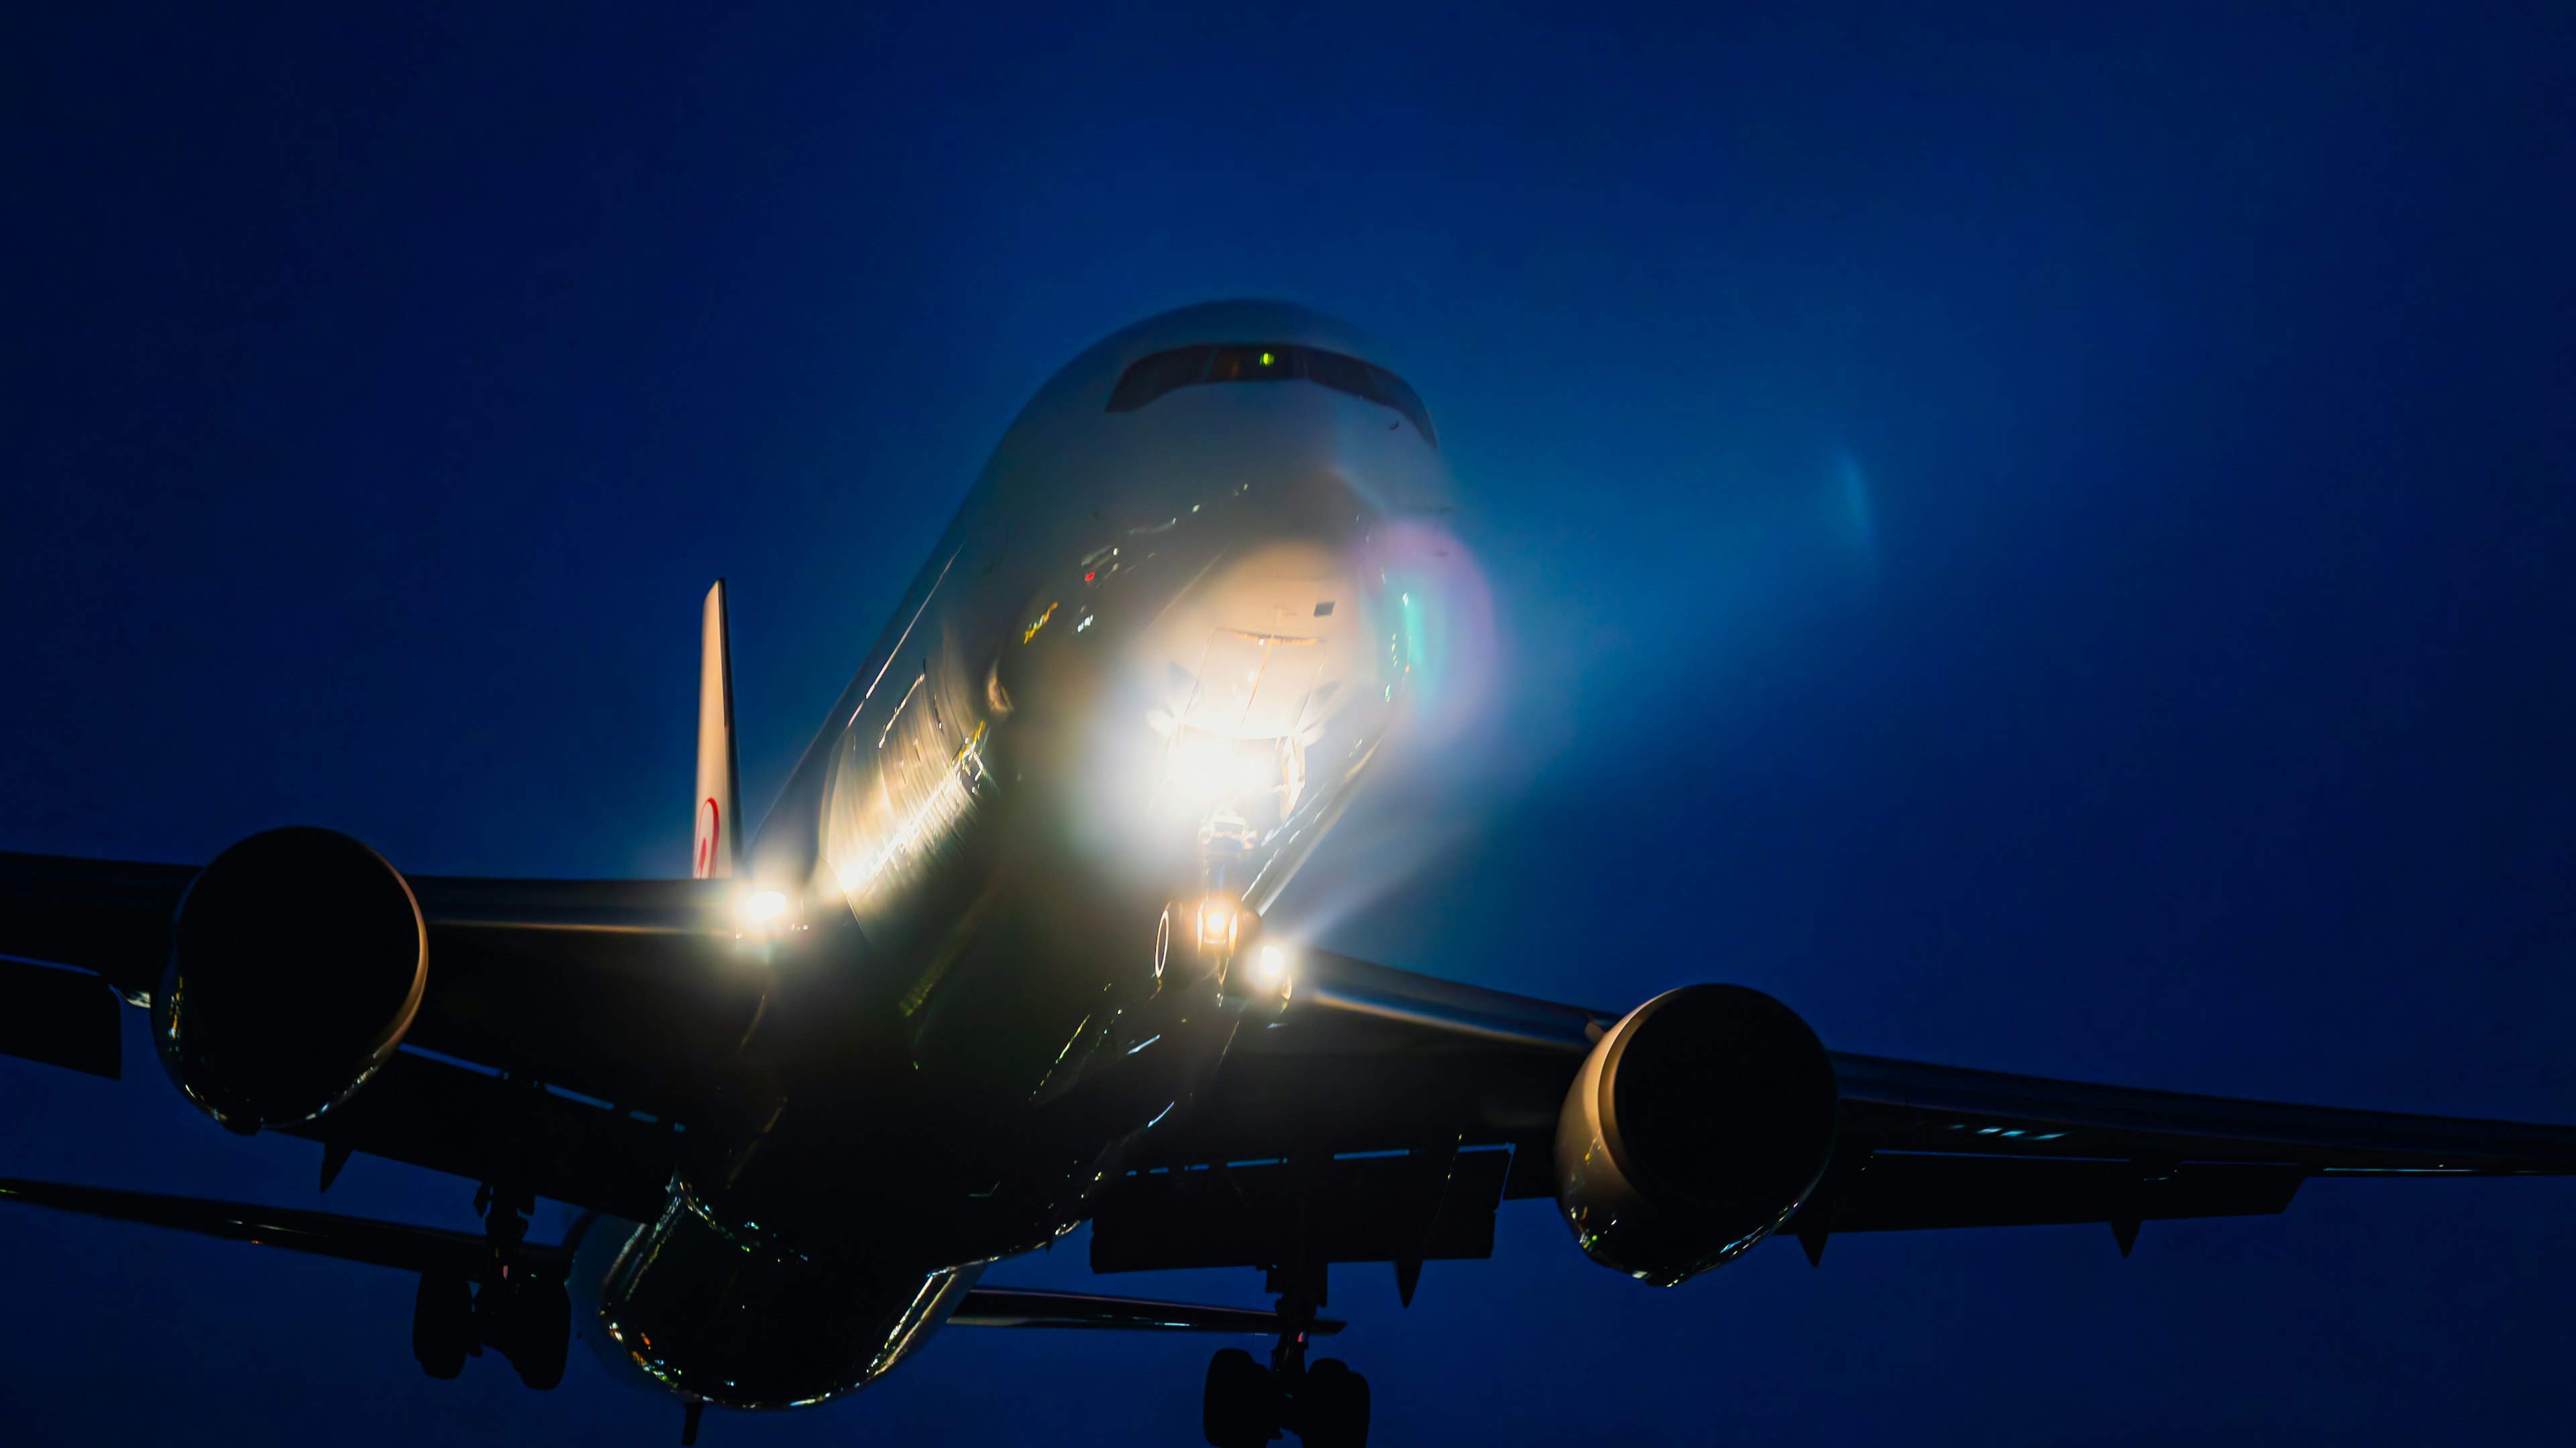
1210,770
1218,921
763,906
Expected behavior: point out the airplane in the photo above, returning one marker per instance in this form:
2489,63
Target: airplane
995,965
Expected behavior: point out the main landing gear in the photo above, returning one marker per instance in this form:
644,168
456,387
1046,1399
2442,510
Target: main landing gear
527,1320
1325,1405
525,1316
1246,1404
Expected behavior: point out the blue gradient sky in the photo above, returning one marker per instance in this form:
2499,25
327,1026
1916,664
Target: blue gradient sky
2041,539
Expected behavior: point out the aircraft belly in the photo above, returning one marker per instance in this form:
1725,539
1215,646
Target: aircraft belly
682,1305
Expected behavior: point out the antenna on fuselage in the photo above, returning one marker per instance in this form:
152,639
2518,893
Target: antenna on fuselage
719,828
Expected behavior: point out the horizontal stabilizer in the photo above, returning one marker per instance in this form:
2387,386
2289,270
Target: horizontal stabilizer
430,1249
351,1239
1024,1307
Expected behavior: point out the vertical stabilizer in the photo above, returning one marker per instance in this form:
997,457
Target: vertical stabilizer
719,830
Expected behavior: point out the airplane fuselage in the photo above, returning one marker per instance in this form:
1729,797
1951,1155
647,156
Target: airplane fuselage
1010,897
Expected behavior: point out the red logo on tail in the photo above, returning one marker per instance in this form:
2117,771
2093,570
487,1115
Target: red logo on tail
705,868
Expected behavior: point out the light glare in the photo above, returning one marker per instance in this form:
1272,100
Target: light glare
1216,923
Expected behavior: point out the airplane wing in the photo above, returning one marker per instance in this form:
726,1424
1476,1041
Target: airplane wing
1381,1117
489,1083
1385,1114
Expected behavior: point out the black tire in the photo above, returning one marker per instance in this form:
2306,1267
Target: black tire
442,1324
1241,1406
1337,1406
540,1333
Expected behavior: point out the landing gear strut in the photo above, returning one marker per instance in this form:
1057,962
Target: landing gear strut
1324,1403
525,1316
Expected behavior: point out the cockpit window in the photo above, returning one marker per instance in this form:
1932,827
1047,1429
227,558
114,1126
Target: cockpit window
1362,379
1269,362
1157,375
1392,391
1253,363
1340,373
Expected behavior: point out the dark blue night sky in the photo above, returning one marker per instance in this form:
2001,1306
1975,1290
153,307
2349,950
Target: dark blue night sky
2045,541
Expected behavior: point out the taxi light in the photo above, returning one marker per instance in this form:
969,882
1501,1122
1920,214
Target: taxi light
1272,965
763,906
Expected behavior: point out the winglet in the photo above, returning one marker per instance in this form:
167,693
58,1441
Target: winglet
719,827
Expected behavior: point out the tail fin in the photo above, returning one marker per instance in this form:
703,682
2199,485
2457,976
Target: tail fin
719,831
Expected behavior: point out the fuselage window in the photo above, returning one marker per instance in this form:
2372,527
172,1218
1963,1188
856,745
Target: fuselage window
1269,362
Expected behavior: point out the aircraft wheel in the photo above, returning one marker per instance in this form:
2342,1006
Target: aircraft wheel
1241,1406
1337,1406
540,1333
442,1324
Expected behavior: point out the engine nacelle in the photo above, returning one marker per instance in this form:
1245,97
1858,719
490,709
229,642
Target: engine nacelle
1696,1127
296,964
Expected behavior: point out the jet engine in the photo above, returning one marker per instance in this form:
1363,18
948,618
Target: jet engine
1695,1128
296,963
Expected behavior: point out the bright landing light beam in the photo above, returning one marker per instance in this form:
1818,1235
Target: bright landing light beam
760,907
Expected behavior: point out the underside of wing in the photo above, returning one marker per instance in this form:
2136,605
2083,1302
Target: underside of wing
566,1033
1397,1110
